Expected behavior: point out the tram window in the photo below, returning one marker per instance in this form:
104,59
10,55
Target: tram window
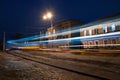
54,31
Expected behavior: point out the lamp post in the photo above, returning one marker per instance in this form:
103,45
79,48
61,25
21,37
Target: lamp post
49,16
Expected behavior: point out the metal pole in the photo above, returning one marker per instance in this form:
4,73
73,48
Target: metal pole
51,23
52,32
4,41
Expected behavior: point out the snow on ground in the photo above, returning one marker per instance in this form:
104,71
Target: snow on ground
15,68
107,65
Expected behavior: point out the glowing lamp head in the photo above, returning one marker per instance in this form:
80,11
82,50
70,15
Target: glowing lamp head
49,15
44,17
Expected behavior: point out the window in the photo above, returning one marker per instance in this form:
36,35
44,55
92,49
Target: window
105,41
96,44
90,32
96,30
104,29
112,27
85,33
54,31
113,41
90,43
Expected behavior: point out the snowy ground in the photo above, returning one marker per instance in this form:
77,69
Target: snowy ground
15,68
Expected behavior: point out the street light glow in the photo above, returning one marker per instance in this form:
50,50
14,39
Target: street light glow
49,15
44,17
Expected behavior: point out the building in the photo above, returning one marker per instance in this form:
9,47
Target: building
100,34
59,27
71,34
105,33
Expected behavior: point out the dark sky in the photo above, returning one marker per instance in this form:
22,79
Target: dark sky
25,16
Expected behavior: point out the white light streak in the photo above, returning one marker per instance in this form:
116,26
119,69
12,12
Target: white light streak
102,45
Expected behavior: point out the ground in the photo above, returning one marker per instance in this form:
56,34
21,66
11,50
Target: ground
16,68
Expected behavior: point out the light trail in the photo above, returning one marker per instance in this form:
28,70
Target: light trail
103,45
108,36
100,36
74,29
69,32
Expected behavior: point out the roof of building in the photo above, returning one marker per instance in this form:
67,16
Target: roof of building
69,20
103,20
109,16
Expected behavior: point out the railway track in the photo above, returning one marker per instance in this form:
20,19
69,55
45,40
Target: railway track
41,61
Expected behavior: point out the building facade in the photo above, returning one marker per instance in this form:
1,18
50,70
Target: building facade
72,34
53,31
105,27
101,34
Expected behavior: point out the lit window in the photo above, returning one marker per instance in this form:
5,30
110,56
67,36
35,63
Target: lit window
54,31
90,32
85,33
112,27
105,29
96,42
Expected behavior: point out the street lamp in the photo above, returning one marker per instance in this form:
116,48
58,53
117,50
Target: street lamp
44,17
48,16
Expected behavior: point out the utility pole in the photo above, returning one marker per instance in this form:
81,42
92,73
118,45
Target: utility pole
4,41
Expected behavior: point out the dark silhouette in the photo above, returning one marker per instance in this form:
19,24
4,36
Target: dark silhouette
1,43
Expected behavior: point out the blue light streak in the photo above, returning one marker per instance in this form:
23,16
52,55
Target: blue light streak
71,30
93,37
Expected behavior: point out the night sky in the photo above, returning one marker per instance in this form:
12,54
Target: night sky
25,16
